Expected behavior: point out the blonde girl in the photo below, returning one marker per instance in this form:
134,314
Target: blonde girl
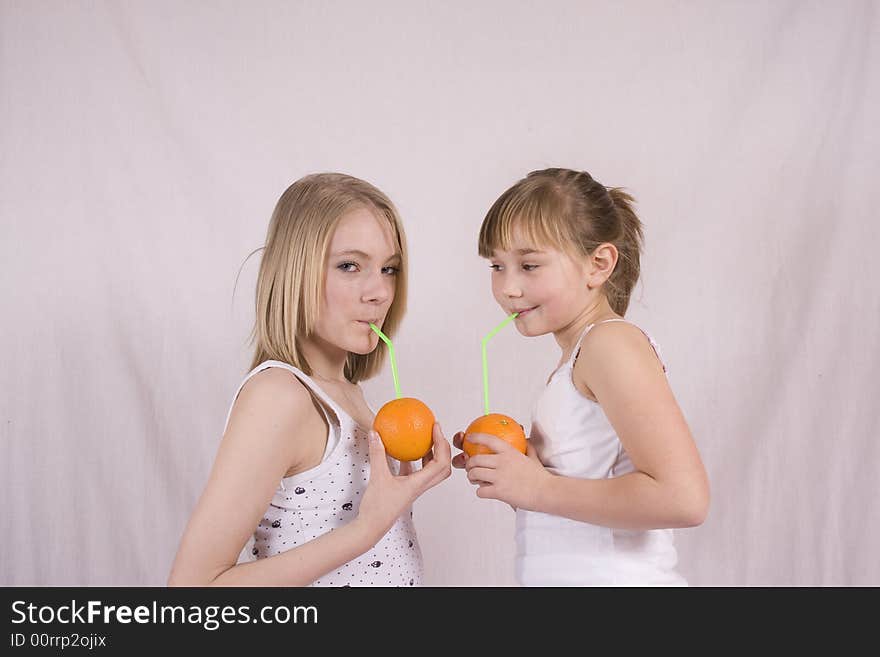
298,473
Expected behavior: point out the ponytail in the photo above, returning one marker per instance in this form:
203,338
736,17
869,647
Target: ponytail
629,246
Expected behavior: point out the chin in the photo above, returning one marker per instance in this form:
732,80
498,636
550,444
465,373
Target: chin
362,346
527,329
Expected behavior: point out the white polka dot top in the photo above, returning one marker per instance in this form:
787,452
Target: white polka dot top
327,496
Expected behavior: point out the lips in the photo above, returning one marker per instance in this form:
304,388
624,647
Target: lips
523,311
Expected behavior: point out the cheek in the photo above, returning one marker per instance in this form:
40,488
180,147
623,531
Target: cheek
542,293
337,295
563,298
496,289
391,288
341,286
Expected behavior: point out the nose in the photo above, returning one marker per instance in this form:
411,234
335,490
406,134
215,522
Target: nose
378,288
510,287
512,292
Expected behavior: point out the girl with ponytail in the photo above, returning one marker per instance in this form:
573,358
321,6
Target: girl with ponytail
611,466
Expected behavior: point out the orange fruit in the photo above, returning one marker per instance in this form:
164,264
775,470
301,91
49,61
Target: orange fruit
495,424
405,426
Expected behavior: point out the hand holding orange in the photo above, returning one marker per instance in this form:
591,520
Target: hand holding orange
405,426
495,424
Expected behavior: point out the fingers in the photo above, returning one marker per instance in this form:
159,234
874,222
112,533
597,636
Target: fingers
378,459
457,439
438,467
492,442
459,460
441,452
430,455
481,468
481,475
530,451
464,461
487,492
482,461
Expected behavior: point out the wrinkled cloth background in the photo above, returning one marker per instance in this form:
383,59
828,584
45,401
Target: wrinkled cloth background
143,146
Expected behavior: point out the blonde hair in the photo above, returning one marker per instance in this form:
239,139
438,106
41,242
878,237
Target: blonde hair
290,282
570,211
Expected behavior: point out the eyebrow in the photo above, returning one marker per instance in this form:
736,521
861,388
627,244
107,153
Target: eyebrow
362,254
523,252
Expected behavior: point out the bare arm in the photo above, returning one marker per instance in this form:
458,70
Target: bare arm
263,439
669,487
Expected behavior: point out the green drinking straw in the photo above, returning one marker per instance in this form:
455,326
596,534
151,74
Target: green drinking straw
486,363
393,362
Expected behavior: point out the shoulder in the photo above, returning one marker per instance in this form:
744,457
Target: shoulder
274,397
616,349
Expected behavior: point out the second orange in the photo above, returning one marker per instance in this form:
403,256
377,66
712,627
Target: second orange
495,424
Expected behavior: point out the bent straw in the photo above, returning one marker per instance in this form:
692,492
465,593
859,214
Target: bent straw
486,363
393,362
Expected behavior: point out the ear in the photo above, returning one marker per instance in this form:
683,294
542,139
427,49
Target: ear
603,259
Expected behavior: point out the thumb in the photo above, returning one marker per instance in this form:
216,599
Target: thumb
378,460
530,451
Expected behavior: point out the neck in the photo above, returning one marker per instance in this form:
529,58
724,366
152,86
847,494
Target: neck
326,361
596,310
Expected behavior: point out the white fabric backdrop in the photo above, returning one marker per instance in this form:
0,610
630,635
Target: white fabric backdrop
144,145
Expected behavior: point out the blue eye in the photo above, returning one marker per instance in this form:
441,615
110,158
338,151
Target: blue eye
394,271
530,267
345,265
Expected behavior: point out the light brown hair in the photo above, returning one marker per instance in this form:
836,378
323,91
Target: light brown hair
574,213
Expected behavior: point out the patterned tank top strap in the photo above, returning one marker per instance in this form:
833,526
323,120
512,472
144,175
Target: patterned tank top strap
654,345
325,399
331,410
334,415
577,345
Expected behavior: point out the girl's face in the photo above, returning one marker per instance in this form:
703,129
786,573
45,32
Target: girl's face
546,286
362,264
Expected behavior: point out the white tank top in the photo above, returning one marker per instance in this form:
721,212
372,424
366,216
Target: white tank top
327,496
573,438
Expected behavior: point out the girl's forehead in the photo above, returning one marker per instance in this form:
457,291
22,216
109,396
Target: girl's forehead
517,238
524,246
361,233
360,225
